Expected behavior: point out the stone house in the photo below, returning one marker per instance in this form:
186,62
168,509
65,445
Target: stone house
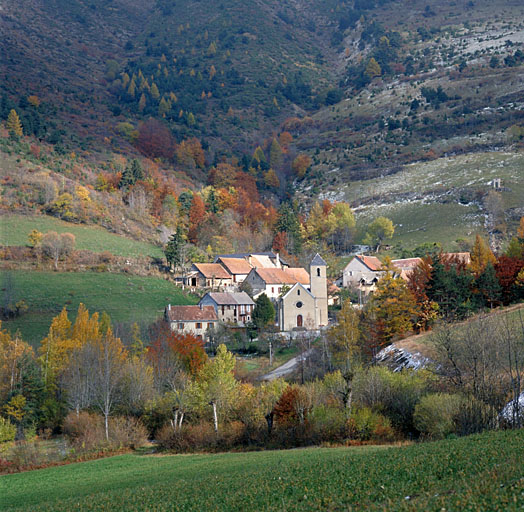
272,281
235,308
197,320
236,268
208,275
363,273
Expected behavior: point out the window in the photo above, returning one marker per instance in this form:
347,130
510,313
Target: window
299,304
298,291
272,289
318,272
210,325
180,325
198,325
279,289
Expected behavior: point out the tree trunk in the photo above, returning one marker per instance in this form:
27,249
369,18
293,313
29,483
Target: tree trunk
106,422
215,418
269,419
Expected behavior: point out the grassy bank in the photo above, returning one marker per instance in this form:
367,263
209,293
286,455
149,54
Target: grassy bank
15,228
125,298
481,472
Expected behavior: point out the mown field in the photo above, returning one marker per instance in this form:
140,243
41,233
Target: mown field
126,298
15,228
481,472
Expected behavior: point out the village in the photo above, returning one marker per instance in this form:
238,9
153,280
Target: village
233,283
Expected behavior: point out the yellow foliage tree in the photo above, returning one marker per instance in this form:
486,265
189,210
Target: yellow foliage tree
34,238
373,69
481,256
13,125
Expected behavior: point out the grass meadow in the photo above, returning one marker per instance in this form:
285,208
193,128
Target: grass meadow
15,228
126,298
480,472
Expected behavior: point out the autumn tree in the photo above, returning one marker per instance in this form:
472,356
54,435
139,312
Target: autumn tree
13,124
275,154
190,153
107,373
55,246
481,256
391,311
300,165
155,140
34,238
196,217
373,69
216,386
379,230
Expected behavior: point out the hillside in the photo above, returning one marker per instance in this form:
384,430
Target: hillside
480,472
405,109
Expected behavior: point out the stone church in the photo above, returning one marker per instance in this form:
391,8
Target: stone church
301,307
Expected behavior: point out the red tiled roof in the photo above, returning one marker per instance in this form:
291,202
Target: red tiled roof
372,262
211,270
236,266
462,257
191,314
406,263
279,276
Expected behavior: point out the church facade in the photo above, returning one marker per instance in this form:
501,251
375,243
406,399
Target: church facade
301,307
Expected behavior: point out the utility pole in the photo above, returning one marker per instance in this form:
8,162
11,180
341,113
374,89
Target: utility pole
270,353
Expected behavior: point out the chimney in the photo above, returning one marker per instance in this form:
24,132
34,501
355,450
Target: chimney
249,260
169,307
277,260
201,306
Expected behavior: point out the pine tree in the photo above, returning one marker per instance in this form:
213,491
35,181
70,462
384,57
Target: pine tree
132,173
487,287
155,93
264,312
164,107
174,247
275,154
142,103
131,89
13,125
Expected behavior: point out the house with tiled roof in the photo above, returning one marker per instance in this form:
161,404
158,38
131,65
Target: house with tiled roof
230,307
272,281
208,275
236,268
406,266
197,320
362,272
258,259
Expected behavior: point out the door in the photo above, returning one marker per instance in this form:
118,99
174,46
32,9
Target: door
299,321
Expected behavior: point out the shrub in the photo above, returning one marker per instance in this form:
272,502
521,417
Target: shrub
327,423
7,430
200,436
127,432
366,425
85,430
435,415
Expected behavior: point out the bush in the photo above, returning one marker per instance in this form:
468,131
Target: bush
435,415
86,431
127,432
7,430
189,438
327,424
366,425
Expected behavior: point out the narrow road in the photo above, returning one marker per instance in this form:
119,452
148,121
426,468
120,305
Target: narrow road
288,367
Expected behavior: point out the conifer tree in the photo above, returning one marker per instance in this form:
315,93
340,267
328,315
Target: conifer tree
275,154
131,89
13,125
481,255
155,93
142,103
373,69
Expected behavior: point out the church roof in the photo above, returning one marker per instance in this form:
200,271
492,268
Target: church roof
318,260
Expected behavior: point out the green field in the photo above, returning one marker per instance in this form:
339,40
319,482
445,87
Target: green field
481,472
126,298
15,228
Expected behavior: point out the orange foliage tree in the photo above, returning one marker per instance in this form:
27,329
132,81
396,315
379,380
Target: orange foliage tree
155,140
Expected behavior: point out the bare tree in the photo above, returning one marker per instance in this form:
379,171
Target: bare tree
55,246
